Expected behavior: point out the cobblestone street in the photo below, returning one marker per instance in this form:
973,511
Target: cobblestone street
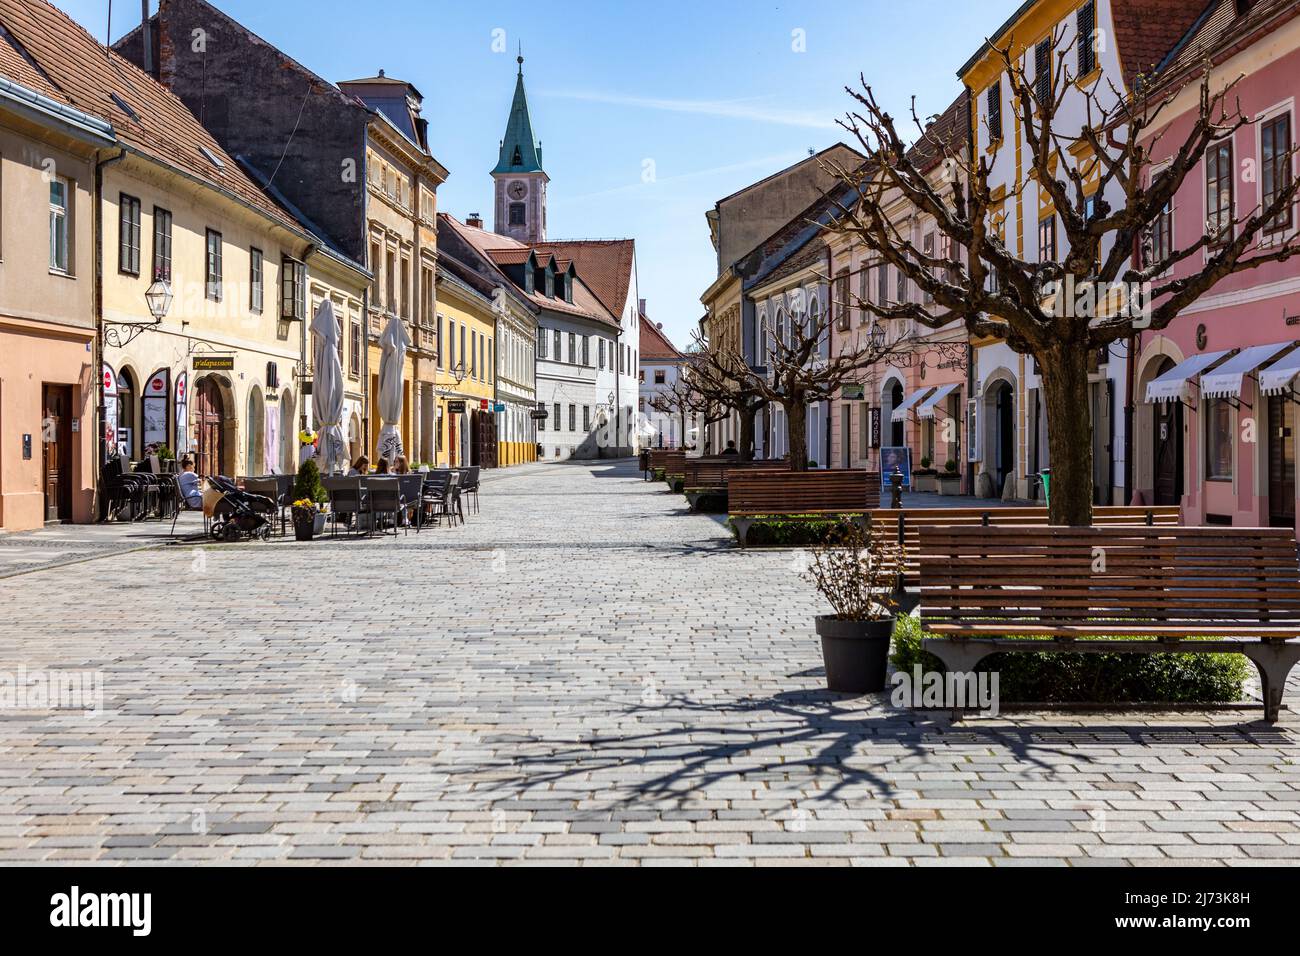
571,677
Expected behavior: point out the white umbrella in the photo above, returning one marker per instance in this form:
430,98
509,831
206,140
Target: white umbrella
327,388
394,344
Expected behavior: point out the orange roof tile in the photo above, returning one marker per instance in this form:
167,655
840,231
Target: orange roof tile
89,76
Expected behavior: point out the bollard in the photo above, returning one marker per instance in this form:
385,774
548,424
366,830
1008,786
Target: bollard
896,489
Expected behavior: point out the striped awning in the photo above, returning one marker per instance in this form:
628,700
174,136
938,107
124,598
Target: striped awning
1225,381
900,413
1172,386
1277,378
928,406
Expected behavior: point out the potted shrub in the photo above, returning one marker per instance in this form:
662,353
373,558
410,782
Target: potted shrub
950,479
925,478
857,573
309,499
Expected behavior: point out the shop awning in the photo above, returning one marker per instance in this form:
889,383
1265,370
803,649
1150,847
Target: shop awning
900,413
1225,381
928,406
1277,378
1172,386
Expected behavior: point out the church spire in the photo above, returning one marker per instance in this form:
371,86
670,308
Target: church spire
520,152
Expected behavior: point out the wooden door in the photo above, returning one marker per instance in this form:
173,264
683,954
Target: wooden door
1281,464
453,446
1168,453
209,419
56,450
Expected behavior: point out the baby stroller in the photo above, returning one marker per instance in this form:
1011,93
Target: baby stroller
237,515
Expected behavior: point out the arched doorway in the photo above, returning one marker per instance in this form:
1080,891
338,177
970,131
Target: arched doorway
1167,447
1004,433
255,444
288,434
893,399
127,405
209,426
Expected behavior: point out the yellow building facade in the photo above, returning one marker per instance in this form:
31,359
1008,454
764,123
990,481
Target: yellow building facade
466,373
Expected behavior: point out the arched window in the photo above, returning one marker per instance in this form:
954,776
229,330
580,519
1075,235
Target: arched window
127,396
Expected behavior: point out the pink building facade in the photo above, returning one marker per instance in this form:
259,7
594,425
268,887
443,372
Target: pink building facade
1215,404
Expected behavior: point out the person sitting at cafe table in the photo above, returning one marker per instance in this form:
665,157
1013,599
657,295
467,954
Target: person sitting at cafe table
360,467
191,489
401,466
382,467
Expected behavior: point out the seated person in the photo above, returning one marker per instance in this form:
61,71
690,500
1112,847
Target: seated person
731,449
191,487
360,467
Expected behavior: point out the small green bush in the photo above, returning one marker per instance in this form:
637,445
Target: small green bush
307,486
657,474
790,532
676,483
1054,678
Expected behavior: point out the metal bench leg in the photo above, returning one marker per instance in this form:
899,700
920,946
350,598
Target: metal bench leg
958,656
742,529
1274,661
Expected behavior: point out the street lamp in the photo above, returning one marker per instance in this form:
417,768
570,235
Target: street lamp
159,298
878,337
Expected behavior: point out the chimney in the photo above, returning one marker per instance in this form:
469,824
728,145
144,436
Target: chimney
641,304
475,220
146,37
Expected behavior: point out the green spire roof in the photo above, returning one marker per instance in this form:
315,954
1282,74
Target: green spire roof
519,150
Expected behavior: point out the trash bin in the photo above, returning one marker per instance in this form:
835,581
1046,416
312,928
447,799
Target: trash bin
1046,476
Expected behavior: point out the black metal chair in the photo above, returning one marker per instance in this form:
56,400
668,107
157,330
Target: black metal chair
433,496
383,498
183,504
469,484
270,487
412,489
345,500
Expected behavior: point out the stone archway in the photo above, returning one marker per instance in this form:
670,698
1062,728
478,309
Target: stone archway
1000,431
1159,447
255,433
288,438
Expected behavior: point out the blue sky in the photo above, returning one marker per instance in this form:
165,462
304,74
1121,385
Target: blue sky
701,98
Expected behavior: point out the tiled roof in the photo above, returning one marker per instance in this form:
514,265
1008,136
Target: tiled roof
89,76
655,345
1219,29
504,251
604,264
1146,30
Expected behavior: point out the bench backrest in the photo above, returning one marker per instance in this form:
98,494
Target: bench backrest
659,456
712,472
1056,577
784,492
674,461
887,520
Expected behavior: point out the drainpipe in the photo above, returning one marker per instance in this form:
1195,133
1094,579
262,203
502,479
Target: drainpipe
1129,415
100,411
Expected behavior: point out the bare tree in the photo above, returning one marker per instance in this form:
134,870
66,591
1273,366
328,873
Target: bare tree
1107,282
686,402
805,365
719,378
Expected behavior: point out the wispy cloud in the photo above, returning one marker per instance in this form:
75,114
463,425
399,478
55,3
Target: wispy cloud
770,163
743,109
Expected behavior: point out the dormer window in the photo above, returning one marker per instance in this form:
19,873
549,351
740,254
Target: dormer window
568,288
550,284
530,282
518,158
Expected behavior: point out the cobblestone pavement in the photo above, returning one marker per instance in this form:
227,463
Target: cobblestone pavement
584,673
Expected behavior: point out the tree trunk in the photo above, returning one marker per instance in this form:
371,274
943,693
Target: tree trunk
748,415
1064,376
796,422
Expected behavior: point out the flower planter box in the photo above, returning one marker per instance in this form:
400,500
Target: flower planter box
922,481
305,529
856,654
950,484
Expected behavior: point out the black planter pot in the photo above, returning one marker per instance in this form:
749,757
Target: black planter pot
856,654
306,527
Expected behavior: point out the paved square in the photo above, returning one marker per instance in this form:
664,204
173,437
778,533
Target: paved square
584,673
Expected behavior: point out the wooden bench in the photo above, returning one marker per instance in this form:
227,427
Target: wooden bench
707,477
657,459
755,494
988,589
674,466
904,524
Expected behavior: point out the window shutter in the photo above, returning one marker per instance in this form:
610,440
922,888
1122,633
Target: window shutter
1043,72
1086,23
995,110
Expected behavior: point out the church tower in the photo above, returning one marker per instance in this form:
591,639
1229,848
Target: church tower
520,208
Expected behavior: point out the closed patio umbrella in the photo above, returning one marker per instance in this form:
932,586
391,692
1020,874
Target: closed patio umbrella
393,344
327,389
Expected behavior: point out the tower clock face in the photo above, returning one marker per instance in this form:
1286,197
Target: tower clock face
517,190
